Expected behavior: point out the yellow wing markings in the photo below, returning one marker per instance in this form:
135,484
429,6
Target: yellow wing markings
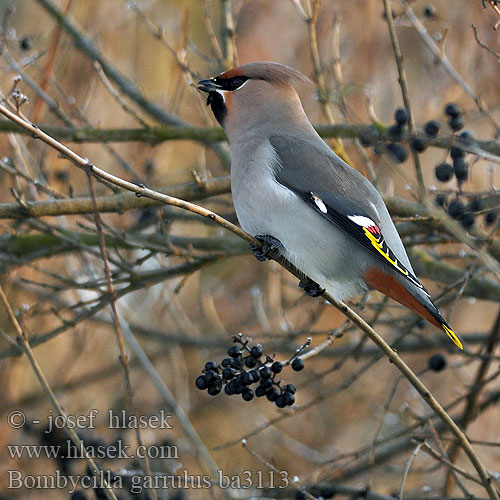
452,335
376,243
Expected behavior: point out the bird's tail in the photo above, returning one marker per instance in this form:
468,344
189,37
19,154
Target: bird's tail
451,334
410,296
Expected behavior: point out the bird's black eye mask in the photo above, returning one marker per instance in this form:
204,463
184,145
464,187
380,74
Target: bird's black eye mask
229,84
216,87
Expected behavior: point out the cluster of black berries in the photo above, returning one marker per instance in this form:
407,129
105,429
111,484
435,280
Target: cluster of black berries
465,212
397,152
245,366
458,167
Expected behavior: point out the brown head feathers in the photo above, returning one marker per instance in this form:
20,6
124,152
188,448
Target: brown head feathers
268,71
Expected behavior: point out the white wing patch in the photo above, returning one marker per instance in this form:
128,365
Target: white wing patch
319,203
361,220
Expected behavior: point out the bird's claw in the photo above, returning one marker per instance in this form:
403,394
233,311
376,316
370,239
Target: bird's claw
269,244
311,288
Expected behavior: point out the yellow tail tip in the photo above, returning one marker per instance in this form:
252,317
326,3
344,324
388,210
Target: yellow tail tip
452,336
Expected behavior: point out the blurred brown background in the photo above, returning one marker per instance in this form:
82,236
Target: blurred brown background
184,321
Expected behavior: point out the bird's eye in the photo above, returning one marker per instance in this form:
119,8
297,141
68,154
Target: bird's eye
237,82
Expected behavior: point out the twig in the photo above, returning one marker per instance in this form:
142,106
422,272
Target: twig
22,339
169,399
470,409
483,45
404,92
443,59
116,95
414,453
228,35
47,70
124,360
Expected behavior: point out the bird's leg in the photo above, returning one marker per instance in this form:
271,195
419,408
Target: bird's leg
269,244
311,288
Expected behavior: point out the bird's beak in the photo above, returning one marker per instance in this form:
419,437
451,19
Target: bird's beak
208,86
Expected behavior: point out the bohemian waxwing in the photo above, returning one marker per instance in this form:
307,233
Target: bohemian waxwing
297,196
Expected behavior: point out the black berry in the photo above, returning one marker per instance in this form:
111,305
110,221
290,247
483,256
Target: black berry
213,390
456,152
201,382
467,220
280,402
396,131
297,364
250,362
455,209
475,205
401,116
369,136
236,386
227,362
431,128
260,391
255,375
452,110
25,43
440,200
290,388
288,398
266,384
456,123
444,172
429,12
245,378
227,373
256,351
273,394
418,145
437,362
211,376
265,372
276,367
461,170
466,137
234,351
211,365
398,152
490,218
247,394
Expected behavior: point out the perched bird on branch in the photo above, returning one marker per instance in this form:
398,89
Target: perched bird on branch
294,194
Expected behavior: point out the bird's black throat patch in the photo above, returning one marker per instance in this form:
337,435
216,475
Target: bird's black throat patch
216,102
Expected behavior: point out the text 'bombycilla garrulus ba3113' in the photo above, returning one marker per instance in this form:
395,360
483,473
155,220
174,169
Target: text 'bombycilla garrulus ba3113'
291,191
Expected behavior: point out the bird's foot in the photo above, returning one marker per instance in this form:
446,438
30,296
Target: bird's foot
269,244
311,288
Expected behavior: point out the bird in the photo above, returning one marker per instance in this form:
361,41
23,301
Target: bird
294,194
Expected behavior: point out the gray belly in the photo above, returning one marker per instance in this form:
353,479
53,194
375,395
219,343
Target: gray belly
313,244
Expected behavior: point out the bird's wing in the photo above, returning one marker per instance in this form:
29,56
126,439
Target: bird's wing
345,198
342,195
360,227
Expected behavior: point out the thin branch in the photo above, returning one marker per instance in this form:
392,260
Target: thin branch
443,59
404,91
23,340
124,359
483,45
